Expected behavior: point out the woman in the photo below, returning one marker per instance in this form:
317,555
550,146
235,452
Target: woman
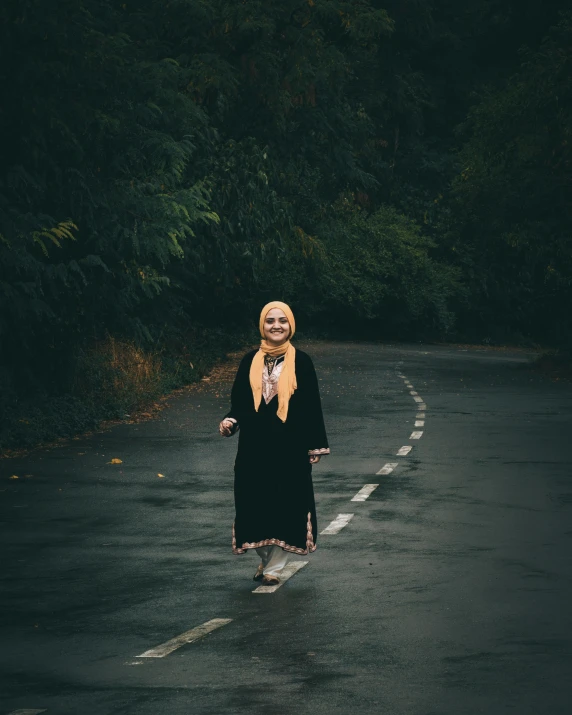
276,406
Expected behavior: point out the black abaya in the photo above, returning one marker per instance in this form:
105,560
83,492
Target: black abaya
273,492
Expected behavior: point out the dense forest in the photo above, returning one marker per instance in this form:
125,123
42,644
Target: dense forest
393,169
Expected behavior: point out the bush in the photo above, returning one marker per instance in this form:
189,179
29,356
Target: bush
111,379
374,272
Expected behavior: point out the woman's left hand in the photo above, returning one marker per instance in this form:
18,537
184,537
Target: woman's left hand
314,458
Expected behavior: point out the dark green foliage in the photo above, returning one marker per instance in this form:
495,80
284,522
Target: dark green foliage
369,276
511,203
378,277
167,167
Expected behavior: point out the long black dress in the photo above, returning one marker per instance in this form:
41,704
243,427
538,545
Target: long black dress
273,492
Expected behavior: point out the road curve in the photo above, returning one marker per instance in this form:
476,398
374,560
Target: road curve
445,590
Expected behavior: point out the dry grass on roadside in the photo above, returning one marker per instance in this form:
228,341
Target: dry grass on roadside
117,382
121,371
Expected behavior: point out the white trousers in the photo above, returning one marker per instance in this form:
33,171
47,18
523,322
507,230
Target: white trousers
273,559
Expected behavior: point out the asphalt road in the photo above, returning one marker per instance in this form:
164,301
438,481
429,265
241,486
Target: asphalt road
448,593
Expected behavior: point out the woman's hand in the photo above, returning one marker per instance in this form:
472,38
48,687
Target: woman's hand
314,458
225,428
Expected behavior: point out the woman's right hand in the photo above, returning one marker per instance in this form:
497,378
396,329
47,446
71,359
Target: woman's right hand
225,428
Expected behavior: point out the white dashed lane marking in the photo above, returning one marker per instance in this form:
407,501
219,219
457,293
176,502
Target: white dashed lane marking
338,524
287,572
364,492
187,637
292,568
388,468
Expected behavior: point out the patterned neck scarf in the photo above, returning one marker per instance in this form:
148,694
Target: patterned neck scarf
287,382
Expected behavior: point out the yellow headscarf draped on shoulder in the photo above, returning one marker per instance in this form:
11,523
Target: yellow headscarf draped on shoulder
287,381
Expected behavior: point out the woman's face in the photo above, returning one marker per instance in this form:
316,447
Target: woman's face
276,327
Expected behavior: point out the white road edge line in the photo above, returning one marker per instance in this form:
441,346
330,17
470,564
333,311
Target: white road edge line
418,399
388,468
338,524
404,450
416,435
420,416
364,492
28,711
187,637
412,392
422,406
419,423
287,572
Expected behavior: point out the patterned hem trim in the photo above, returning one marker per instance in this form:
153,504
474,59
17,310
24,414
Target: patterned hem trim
323,450
310,545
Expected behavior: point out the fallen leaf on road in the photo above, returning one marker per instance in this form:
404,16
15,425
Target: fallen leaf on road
160,475
14,476
116,461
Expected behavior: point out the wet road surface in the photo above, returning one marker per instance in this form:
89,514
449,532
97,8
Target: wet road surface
447,592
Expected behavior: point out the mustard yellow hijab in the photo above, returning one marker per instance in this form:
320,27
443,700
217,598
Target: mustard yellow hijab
287,380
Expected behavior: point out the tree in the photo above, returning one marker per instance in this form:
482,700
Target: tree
511,202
